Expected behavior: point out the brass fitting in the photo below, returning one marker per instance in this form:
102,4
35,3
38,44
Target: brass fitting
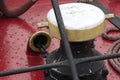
42,24
38,39
109,16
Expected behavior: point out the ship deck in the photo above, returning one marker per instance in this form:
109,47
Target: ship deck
15,33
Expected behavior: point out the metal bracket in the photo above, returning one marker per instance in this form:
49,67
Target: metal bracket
115,21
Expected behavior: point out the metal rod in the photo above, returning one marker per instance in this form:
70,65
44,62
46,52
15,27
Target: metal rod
29,69
98,58
115,21
64,38
93,58
59,64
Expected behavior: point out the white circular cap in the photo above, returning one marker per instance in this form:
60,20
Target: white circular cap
78,16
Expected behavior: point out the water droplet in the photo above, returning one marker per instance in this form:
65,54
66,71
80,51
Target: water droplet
18,39
22,34
17,63
7,42
11,36
21,58
12,57
15,52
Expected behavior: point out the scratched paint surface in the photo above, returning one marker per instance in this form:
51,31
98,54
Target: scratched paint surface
15,33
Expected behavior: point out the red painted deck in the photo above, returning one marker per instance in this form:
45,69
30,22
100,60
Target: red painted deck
14,35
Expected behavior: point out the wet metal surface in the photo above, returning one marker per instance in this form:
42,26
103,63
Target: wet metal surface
15,33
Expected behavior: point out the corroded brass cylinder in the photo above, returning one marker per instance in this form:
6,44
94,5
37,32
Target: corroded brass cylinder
78,35
38,40
83,22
